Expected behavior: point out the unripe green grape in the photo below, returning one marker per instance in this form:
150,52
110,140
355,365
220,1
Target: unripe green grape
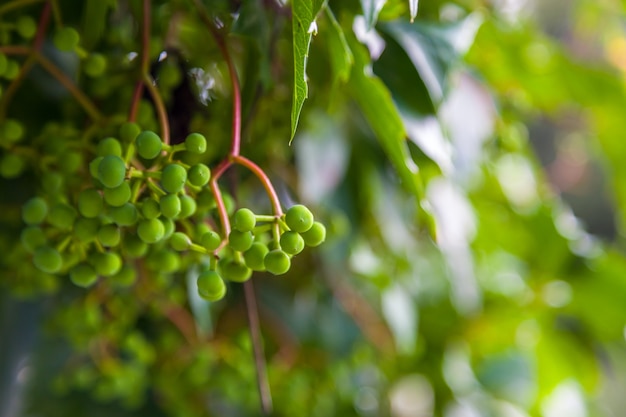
188,207
86,230
117,196
133,246
125,277
277,262
244,220
11,130
52,182
62,216
95,65
90,203
240,241
109,235
129,131
106,264
70,162
205,200
83,275
47,259
11,166
255,255
149,144
169,227
170,205
291,242
12,70
3,63
111,171
210,240
201,228
199,175
93,166
316,235
26,27
173,178
164,261
109,146
150,208
211,286
195,143
66,39
232,270
125,215
299,218
34,211
180,241
32,237
150,230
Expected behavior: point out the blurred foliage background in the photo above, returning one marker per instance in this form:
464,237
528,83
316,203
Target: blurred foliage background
470,169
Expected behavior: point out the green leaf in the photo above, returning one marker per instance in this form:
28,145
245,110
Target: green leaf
371,8
413,9
303,27
341,58
94,21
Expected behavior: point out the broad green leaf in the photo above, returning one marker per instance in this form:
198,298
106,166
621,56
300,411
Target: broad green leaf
303,28
413,9
341,58
371,8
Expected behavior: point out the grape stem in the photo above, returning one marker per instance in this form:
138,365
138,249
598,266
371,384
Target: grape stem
17,4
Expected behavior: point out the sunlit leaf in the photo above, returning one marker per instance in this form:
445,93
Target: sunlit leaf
341,58
371,8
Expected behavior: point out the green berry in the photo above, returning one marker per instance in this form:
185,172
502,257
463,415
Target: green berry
255,255
62,216
211,286
90,203
205,200
125,277
11,130
83,275
109,235
133,246
129,131
163,261
232,270
210,240
86,230
70,162
180,241
47,259
173,178
187,206
12,71
32,237
292,243
277,262
125,215
52,182
117,196
150,230
299,218
109,146
170,205
34,211
93,166
244,220
199,175
149,144
66,39
26,26
240,241
111,171
11,166
316,235
150,208
106,264
195,143
95,65
169,227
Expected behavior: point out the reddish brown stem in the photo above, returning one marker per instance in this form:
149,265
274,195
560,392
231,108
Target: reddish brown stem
267,184
134,106
44,19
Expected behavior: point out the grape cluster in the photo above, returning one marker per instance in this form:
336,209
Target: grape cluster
144,202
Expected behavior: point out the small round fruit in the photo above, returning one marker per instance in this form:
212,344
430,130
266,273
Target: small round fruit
83,275
95,65
66,39
117,196
11,130
32,237
292,243
129,131
90,203
199,175
86,230
125,277
173,178
244,220
62,216
34,211
210,240
170,205
299,218
151,230
111,171
107,263
47,259
254,256
109,235
316,235
211,286
234,271
195,143
125,215
150,208
180,241
26,26
240,241
149,144
133,246
11,166
277,262
188,206
109,146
